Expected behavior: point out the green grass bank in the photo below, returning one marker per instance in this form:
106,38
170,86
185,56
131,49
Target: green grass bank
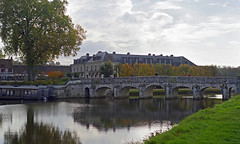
218,125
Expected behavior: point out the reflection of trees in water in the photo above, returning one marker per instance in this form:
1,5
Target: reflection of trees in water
35,133
106,115
41,134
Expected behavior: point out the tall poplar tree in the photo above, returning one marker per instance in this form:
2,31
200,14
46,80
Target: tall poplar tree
38,31
106,69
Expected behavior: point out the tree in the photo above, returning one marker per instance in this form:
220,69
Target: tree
183,70
117,69
136,69
142,69
69,75
106,69
76,75
55,74
1,54
126,70
38,31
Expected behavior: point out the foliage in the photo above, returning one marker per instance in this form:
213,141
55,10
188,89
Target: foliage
76,74
142,69
106,69
117,68
38,31
213,125
39,133
55,74
69,75
227,71
1,54
126,70
61,81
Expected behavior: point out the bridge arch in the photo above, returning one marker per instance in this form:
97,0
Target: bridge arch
203,90
148,91
87,92
124,91
233,89
176,89
103,92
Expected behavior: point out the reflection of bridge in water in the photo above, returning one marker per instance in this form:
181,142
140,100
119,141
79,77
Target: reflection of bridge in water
105,115
119,87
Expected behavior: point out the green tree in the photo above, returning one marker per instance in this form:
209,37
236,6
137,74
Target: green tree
69,75
38,31
106,69
76,75
183,70
1,54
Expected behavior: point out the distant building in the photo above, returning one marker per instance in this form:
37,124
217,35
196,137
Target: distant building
17,71
6,69
88,66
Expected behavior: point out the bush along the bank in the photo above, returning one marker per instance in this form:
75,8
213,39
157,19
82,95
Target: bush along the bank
218,125
60,81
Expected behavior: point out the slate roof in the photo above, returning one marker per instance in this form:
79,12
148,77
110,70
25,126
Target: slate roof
128,58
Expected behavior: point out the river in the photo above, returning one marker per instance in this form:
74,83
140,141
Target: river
92,121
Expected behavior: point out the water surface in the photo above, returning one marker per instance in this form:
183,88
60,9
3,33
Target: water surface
92,121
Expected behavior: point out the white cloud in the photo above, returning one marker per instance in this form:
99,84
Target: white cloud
221,4
234,43
165,5
1,44
195,29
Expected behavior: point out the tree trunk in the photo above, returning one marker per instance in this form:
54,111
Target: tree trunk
30,71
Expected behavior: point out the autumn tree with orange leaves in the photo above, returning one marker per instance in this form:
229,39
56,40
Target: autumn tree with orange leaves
55,74
142,69
126,70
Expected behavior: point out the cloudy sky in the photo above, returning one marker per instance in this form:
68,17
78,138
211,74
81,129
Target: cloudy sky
204,31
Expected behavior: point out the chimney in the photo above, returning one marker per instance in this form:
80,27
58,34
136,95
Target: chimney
87,55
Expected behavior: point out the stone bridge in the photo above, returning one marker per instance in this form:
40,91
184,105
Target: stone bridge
119,87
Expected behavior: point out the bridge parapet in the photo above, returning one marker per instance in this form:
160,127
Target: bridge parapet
146,85
162,79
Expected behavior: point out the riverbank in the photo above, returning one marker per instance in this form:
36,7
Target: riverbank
183,91
220,124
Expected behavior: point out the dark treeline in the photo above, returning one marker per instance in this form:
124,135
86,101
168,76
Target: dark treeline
227,71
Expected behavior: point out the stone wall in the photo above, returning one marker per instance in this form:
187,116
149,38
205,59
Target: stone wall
119,87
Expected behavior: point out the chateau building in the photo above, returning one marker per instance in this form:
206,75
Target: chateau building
88,66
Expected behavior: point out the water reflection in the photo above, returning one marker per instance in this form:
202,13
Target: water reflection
39,133
118,114
93,120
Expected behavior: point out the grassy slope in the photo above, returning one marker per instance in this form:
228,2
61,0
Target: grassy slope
219,125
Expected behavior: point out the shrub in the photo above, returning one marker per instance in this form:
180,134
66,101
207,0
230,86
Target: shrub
55,74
